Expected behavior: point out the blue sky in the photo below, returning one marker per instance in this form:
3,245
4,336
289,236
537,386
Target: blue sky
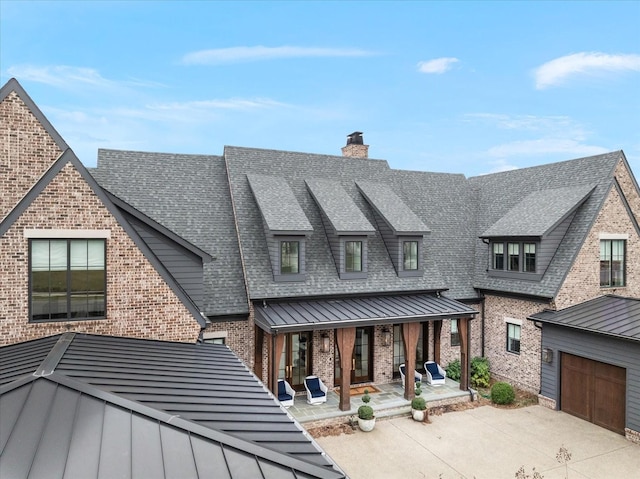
460,87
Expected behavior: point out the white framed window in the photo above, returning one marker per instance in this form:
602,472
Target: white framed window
513,337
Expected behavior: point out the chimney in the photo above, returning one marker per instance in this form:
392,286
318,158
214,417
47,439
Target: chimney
355,147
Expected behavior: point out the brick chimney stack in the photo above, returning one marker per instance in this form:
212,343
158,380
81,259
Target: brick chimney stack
355,147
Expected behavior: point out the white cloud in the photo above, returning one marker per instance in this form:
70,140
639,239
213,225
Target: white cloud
437,65
548,125
545,146
559,70
247,54
65,76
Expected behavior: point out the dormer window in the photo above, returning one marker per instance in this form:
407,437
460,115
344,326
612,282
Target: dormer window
289,257
410,255
353,256
509,257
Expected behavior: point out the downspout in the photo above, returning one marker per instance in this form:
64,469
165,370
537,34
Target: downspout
471,391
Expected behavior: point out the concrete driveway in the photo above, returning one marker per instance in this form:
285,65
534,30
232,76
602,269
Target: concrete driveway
485,443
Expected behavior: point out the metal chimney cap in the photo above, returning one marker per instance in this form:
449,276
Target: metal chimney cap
355,138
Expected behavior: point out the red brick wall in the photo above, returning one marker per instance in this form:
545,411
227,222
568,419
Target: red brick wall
139,302
26,152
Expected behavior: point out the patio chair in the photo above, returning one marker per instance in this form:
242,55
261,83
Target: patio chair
285,393
316,390
435,373
416,375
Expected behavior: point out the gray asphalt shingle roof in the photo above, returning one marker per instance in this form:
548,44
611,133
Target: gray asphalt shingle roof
539,212
280,210
188,194
341,211
174,409
609,315
498,193
391,208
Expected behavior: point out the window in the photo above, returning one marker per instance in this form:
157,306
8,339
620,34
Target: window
514,256
409,255
498,256
215,340
68,279
353,256
529,265
289,257
455,334
513,338
612,263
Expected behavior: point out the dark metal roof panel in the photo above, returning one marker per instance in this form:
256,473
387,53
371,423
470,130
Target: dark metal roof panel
391,207
609,315
278,205
341,211
336,312
19,359
539,212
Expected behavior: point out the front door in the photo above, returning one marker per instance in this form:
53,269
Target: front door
295,362
361,359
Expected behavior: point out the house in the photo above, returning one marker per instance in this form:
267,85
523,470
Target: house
344,267
347,260
74,257
82,405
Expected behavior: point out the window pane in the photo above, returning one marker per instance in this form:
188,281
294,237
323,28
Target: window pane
513,338
289,257
612,263
514,256
410,255
353,256
498,256
455,335
529,257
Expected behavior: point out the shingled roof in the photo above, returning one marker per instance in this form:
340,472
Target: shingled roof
73,403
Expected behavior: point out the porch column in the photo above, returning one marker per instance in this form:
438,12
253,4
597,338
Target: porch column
276,345
345,340
464,353
410,334
437,329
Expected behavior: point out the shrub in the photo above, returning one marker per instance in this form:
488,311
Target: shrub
418,389
502,393
365,412
419,403
366,398
479,372
454,370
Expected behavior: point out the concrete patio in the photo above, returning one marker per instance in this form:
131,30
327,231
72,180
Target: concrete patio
388,402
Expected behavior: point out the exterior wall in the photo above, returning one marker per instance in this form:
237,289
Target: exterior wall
583,281
522,370
240,339
26,152
625,354
627,185
450,353
139,302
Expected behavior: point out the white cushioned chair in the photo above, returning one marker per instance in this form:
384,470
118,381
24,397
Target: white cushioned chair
285,393
316,390
416,375
435,373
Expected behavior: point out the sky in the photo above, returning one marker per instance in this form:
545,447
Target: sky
458,87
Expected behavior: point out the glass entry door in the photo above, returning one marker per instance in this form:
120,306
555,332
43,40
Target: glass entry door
295,362
362,358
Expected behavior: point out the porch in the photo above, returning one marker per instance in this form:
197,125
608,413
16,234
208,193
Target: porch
387,401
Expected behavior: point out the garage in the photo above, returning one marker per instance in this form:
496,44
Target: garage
593,391
590,362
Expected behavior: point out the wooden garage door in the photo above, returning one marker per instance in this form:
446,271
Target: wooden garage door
593,391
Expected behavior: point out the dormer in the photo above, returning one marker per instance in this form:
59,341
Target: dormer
347,228
523,241
401,229
285,225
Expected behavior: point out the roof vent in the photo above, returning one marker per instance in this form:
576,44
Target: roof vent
355,147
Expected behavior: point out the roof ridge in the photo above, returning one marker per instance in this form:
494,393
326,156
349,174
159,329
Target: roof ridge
49,364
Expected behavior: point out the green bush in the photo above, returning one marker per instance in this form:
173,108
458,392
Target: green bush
366,398
419,403
454,370
502,393
480,372
365,412
418,389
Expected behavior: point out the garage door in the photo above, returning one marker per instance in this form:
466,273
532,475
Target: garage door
593,391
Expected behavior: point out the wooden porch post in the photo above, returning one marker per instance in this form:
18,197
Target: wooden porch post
437,330
275,353
410,334
345,340
464,353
